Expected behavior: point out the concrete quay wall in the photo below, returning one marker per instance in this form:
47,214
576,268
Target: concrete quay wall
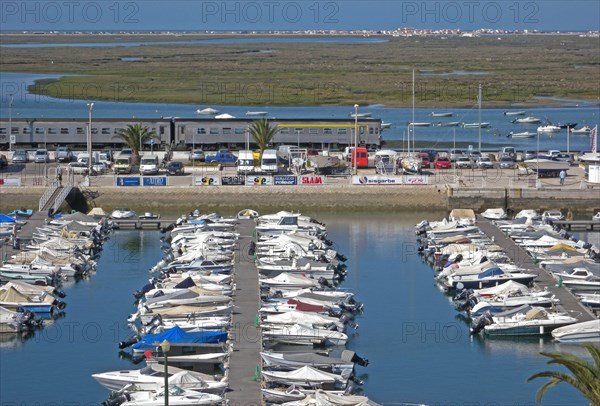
319,197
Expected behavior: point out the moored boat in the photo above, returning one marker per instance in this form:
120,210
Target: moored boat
584,332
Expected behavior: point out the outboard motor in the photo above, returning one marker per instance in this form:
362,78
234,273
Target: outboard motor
324,282
117,400
145,289
129,342
479,323
59,305
341,257
59,293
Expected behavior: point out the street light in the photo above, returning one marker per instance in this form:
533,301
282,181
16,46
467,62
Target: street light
90,107
10,102
165,347
355,153
479,115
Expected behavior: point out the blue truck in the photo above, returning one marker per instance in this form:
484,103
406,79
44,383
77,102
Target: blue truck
223,157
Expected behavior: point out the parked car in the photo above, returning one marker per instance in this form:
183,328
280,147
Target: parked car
223,157
41,156
175,168
484,162
432,153
463,162
425,161
506,162
197,155
126,152
64,154
529,155
474,155
455,153
564,157
81,168
20,157
442,162
3,161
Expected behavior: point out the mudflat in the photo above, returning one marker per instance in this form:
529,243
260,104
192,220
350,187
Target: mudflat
512,69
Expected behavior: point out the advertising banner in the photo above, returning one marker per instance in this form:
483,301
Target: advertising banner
312,180
376,180
415,179
10,182
155,181
210,180
128,181
285,180
259,180
233,180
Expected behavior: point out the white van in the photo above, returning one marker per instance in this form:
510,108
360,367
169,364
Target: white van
149,165
268,162
245,162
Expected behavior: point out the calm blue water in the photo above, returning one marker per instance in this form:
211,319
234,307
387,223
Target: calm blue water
419,350
26,105
215,41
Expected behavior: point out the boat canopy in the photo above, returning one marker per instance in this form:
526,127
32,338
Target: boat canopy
176,335
495,271
6,219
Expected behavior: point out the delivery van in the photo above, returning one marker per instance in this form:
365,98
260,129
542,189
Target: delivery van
268,162
149,165
122,164
245,162
361,156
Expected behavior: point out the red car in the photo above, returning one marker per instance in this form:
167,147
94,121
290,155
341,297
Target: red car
425,163
442,162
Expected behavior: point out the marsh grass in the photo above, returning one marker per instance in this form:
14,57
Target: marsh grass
518,69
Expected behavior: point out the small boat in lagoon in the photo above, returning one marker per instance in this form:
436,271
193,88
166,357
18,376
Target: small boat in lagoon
207,111
527,120
585,130
441,114
122,213
447,124
548,129
494,214
487,278
306,376
257,113
149,216
360,115
524,134
476,125
515,113
419,124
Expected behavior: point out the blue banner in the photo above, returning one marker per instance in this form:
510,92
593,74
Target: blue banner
285,180
158,181
128,181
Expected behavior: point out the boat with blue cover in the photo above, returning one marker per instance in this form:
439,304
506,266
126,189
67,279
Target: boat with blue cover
488,277
178,337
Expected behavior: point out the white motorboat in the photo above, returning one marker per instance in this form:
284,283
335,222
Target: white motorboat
552,215
523,134
385,124
306,376
289,281
494,214
585,130
177,397
247,214
529,214
525,320
152,378
257,113
446,124
584,332
303,335
418,124
442,114
596,217
122,213
279,396
360,115
548,129
527,120
476,125
207,111
546,165
515,113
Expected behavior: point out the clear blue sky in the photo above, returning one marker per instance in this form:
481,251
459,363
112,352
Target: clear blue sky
260,15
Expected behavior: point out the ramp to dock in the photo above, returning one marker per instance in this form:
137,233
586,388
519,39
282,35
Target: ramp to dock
568,301
244,362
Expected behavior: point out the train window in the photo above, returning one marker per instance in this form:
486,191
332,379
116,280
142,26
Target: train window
299,131
106,131
327,131
80,131
342,131
94,131
117,130
284,130
370,130
52,131
214,131
313,130
362,130
64,130
26,130
201,130
226,130
238,130
39,130
3,130
14,130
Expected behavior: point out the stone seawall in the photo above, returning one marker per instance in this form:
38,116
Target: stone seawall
323,198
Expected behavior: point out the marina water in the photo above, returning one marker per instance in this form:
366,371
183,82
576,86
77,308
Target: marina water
419,348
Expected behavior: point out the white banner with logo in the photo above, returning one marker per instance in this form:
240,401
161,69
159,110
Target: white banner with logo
259,180
415,179
207,181
376,180
10,182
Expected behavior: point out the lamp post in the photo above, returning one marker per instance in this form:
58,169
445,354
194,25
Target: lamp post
90,107
355,152
479,116
298,135
10,102
165,347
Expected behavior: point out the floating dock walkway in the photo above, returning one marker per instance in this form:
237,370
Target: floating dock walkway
568,301
244,361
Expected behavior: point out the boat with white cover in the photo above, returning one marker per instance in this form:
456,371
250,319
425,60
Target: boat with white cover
584,332
306,376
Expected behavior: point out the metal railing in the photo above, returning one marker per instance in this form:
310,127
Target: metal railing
52,187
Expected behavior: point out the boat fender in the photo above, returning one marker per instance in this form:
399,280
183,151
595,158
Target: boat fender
129,342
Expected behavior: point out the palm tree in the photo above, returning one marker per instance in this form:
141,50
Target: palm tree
263,133
585,375
134,136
